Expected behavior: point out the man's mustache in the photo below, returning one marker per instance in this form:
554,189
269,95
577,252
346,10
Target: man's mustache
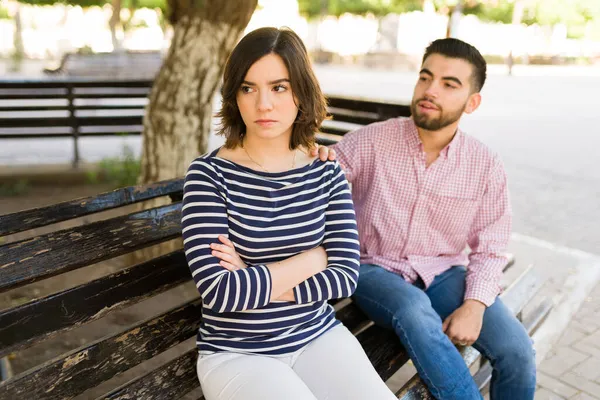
428,100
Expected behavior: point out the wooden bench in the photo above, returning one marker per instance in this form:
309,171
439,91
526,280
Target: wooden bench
113,65
74,108
60,251
151,357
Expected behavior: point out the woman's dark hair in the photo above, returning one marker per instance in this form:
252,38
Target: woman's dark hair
286,44
456,48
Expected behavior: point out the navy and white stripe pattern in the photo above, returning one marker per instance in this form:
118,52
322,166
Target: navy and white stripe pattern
269,217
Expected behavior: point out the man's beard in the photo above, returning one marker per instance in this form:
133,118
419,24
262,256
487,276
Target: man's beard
435,124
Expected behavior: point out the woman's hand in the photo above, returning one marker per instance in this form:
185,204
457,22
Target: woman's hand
230,259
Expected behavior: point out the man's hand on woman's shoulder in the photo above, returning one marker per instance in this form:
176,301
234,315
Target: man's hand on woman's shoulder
324,153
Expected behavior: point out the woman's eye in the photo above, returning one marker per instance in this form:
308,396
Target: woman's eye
246,89
280,88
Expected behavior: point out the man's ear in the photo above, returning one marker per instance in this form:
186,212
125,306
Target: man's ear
473,102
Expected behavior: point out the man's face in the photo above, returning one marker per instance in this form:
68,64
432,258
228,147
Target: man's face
443,92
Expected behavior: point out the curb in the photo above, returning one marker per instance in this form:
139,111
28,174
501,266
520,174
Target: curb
50,174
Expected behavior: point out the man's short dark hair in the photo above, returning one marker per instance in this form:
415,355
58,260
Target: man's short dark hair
455,48
312,106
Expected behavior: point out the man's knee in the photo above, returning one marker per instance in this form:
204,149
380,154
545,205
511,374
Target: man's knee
518,352
408,308
417,318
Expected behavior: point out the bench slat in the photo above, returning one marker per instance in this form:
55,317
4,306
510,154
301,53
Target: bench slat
79,370
384,349
57,252
384,109
351,316
354,119
34,218
74,82
66,120
40,319
171,381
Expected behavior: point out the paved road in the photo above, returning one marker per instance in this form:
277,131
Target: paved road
543,122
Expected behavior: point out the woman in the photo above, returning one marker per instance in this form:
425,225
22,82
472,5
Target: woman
270,235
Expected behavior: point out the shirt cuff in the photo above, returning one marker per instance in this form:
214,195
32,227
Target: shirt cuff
265,282
301,293
482,290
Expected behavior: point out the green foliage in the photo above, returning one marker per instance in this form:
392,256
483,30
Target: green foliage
82,3
15,188
502,12
317,8
118,171
4,13
575,14
162,4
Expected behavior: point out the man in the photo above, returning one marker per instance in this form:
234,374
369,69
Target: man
423,191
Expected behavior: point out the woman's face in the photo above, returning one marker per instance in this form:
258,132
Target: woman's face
266,101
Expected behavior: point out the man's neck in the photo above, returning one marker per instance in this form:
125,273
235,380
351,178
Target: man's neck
436,141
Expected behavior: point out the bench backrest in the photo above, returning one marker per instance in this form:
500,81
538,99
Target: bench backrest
37,109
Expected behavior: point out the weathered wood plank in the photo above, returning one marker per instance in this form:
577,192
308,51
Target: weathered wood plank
384,349
351,316
57,252
72,374
171,381
40,319
383,109
381,346
36,84
37,217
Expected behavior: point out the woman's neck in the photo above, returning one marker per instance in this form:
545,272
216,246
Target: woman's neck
270,155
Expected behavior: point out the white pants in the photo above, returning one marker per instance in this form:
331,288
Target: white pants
332,367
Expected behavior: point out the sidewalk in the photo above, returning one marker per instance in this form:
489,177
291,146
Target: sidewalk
571,370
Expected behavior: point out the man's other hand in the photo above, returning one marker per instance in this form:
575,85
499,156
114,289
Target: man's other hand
463,326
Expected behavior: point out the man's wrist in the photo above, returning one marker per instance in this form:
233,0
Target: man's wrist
475,304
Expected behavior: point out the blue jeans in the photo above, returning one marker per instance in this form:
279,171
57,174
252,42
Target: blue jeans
416,315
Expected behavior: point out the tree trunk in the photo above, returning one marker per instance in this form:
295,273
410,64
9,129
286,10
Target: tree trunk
454,19
517,16
115,20
178,118
19,52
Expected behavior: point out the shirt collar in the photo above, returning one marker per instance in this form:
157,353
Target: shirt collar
416,146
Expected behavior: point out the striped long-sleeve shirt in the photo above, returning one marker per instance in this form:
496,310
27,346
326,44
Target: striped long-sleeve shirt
269,217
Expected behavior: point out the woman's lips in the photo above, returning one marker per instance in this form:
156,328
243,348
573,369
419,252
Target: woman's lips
265,123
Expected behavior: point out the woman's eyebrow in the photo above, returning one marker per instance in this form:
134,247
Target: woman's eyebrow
270,83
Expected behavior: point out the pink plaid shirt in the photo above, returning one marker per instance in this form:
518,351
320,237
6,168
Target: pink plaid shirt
417,221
